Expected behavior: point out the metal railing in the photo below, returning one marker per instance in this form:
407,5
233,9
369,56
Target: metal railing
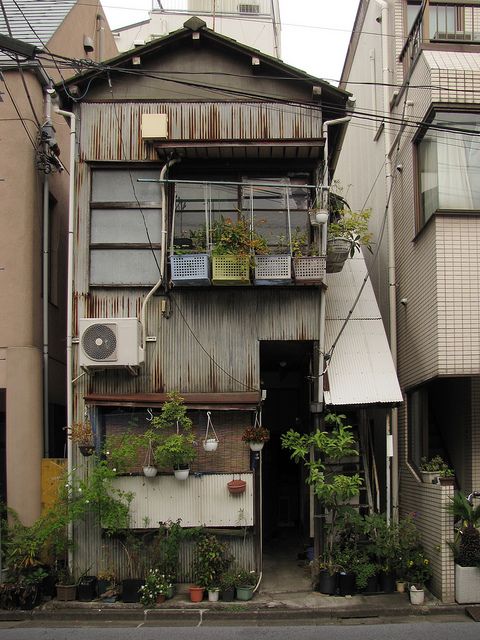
244,8
440,21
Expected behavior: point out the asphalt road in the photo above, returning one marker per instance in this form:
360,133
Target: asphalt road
420,629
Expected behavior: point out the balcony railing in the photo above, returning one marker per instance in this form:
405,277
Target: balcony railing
439,22
246,8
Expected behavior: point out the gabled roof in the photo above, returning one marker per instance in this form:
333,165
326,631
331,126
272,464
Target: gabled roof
44,16
196,24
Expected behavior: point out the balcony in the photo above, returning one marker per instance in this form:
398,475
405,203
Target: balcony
440,22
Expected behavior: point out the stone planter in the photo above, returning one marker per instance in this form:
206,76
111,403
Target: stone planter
467,584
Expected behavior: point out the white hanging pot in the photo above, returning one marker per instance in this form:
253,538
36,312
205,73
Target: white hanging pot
149,471
256,446
210,444
181,474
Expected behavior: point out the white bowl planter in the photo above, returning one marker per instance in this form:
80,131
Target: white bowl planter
429,477
467,584
210,444
149,471
256,446
181,474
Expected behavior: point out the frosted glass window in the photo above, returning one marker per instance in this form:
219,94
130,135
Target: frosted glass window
123,267
114,185
125,225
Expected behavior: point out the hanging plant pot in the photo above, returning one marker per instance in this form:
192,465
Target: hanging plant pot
181,474
86,450
256,446
236,487
150,471
338,250
211,444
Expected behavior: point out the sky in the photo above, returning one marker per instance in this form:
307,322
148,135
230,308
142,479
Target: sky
315,33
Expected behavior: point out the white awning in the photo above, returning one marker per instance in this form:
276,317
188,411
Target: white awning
361,370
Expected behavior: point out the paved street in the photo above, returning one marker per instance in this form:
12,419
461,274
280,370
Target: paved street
443,628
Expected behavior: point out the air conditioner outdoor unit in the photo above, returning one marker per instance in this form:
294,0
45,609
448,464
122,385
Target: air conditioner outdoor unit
110,343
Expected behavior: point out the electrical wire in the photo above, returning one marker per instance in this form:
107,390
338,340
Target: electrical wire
20,117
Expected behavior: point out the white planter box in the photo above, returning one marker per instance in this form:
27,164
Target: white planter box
271,270
191,269
309,269
467,584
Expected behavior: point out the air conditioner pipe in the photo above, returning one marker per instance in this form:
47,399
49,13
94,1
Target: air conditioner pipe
163,250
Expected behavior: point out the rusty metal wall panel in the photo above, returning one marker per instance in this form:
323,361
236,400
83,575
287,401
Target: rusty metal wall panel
210,343
202,500
112,131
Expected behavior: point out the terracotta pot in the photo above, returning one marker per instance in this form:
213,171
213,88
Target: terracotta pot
161,598
236,486
196,593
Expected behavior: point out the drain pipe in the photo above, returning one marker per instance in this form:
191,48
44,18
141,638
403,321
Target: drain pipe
163,250
45,282
392,433
71,210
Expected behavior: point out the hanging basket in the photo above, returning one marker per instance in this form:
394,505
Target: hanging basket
150,471
210,442
236,487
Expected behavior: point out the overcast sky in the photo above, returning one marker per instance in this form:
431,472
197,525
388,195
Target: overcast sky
315,33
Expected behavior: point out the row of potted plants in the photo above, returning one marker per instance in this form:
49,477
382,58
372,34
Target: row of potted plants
239,249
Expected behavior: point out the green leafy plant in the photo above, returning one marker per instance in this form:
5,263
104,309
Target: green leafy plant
332,489
466,546
434,464
122,451
81,433
211,559
418,570
300,244
245,578
352,226
236,238
171,434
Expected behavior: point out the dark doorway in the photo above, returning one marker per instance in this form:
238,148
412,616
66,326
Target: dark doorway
285,368
3,447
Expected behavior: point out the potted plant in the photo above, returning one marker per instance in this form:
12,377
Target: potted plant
333,490
81,433
327,575
256,437
172,437
227,586
234,244
418,572
447,476
211,558
308,266
106,581
346,234
466,549
430,470
275,268
189,261
66,585
245,582
155,589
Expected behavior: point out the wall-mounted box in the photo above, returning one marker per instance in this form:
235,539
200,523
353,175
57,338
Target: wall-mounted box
154,126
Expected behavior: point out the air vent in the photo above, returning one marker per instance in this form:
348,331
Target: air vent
99,342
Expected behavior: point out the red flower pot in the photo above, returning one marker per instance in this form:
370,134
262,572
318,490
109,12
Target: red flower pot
196,593
237,486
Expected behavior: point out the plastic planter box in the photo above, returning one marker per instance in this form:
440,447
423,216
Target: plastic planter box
272,270
309,269
230,270
190,270
467,584
338,250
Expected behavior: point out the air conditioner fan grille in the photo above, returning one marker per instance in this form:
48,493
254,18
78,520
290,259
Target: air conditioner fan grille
99,341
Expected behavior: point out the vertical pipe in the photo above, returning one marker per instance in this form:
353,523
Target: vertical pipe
45,284
71,213
101,37
392,298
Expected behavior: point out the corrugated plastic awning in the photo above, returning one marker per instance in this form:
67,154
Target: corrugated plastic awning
361,371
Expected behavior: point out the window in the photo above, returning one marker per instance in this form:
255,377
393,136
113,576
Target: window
125,228
248,8
417,425
446,21
449,164
53,247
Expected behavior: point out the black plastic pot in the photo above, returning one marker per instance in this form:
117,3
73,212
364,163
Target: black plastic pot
130,589
228,594
387,581
327,583
87,588
346,584
372,585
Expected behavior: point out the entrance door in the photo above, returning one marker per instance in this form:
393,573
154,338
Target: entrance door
285,370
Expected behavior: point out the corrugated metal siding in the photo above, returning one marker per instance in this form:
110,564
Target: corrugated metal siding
93,556
227,324
361,370
202,500
113,131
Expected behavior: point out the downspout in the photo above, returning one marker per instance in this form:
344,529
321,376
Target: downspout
392,314
101,37
71,211
163,250
45,287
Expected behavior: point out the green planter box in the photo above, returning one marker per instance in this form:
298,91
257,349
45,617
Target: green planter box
230,270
